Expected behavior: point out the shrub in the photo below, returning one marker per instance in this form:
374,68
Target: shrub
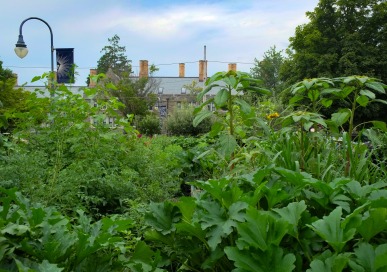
180,123
149,125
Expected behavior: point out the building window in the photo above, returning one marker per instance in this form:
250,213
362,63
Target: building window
161,90
183,90
211,107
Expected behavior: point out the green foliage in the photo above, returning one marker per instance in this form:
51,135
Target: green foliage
136,95
268,70
64,160
229,220
114,58
336,42
149,125
35,238
231,124
11,99
180,122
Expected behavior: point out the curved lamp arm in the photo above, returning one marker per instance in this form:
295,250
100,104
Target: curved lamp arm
21,48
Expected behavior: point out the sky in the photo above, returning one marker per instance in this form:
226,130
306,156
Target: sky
164,32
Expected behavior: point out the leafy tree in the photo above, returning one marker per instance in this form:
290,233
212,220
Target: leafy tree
343,38
10,98
135,94
268,69
194,88
114,58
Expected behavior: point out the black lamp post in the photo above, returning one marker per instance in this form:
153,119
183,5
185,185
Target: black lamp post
21,48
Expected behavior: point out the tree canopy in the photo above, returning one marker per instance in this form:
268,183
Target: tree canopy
11,98
136,94
343,37
268,69
114,57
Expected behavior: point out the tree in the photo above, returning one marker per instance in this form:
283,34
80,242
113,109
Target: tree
343,38
136,94
193,88
11,98
114,58
268,69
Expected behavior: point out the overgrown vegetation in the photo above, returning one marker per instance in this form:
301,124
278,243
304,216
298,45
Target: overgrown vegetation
286,191
299,186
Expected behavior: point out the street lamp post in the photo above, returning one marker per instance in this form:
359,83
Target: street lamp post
21,48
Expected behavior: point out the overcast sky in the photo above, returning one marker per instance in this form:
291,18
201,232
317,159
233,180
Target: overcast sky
164,32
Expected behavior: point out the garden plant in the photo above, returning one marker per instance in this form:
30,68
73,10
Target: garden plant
284,191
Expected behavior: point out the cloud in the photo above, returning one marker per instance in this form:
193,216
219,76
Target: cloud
161,31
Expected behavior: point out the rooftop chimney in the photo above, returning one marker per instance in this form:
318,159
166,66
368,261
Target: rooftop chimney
92,83
144,72
181,70
201,70
232,67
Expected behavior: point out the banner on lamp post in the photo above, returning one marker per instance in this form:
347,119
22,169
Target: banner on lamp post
65,65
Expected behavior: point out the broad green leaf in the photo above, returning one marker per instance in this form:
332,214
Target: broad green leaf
187,207
330,91
329,262
362,100
142,252
222,190
273,260
261,230
369,259
381,257
231,81
295,99
296,117
228,144
313,94
162,217
349,79
329,228
347,90
376,86
45,266
380,101
380,125
245,107
297,89
15,229
339,118
36,78
206,90
201,106
308,125
308,83
219,222
216,128
23,268
368,93
110,85
326,102
221,97
201,116
254,89
374,221
292,214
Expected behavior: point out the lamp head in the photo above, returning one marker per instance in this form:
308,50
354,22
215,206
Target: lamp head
21,48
